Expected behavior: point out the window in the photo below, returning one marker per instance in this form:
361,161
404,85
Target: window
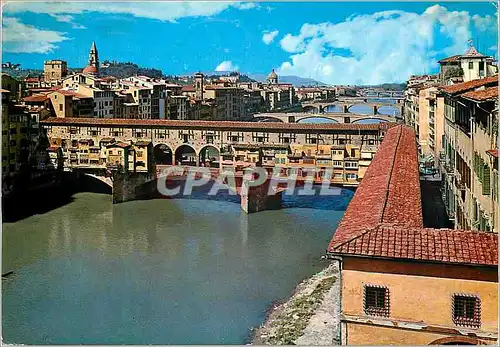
471,65
60,107
139,153
466,310
376,300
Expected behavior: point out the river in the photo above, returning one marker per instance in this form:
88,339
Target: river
180,271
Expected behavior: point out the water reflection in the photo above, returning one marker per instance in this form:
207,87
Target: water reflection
182,271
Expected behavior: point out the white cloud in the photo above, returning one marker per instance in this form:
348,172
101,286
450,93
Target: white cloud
161,10
226,66
268,37
486,23
22,38
382,47
247,5
64,18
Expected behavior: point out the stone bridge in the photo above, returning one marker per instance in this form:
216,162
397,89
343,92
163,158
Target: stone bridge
382,93
337,117
255,196
346,104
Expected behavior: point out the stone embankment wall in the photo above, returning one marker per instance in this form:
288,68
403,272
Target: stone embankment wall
310,317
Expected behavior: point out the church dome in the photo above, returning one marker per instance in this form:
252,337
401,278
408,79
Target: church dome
272,75
90,69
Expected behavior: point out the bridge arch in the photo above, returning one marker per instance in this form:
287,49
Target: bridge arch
314,108
457,340
163,154
185,154
369,120
267,118
209,155
317,116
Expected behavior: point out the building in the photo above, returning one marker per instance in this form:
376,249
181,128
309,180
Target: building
469,66
229,102
235,144
13,86
54,70
401,283
469,164
157,90
272,78
93,67
16,136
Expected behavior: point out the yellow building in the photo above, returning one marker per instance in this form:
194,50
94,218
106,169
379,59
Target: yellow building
54,70
401,283
120,156
62,103
143,156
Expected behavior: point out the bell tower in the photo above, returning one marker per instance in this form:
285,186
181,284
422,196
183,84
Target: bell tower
198,80
94,56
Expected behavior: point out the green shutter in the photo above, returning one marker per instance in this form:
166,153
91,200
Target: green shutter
486,180
495,185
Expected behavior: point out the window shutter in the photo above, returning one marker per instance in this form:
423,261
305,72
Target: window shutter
495,185
486,180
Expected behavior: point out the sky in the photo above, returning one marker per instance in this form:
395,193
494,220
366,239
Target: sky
331,42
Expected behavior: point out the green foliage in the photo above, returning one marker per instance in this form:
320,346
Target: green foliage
123,70
455,71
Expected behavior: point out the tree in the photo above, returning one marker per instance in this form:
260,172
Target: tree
455,71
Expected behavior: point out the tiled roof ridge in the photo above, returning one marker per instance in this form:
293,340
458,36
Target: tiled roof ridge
389,178
371,191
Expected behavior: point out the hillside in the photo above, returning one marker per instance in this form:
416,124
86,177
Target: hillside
295,80
122,70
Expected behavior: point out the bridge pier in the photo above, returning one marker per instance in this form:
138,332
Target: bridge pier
257,198
125,186
375,110
346,108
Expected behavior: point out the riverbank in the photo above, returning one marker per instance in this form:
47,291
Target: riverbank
311,316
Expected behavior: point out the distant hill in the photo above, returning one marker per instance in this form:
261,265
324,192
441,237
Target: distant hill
295,80
116,69
122,70
21,73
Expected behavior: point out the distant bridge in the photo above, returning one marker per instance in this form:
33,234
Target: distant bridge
336,117
382,93
346,104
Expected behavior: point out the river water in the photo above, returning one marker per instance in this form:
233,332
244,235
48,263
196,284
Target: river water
180,271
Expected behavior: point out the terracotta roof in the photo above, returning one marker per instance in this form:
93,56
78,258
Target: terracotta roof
107,139
453,58
31,79
188,89
441,245
35,98
466,86
142,143
384,218
118,144
493,152
53,148
482,95
389,191
215,124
